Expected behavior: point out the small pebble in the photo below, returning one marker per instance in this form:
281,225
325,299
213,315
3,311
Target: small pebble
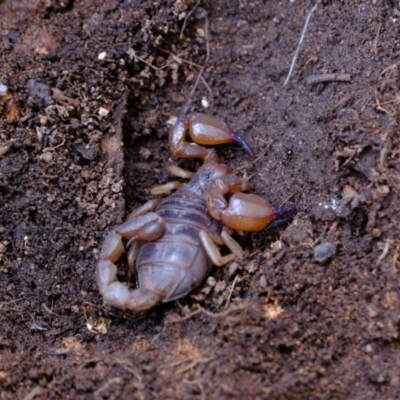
211,281
220,287
348,194
3,90
376,232
324,252
103,112
102,55
205,103
39,91
262,282
368,348
2,248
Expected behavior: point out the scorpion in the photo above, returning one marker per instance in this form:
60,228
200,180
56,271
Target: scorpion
173,242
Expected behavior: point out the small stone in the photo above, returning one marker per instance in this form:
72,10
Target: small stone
75,309
324,252
211,281
376,233
116,187
47,157
4,149
39,91
380,192
205,103
251,267
3,90
145,153
369,348
348,194
44,120
220,287
262,282
103,112
2,248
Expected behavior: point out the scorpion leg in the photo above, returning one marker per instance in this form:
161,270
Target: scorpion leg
181,173
203,130
231,243
166,188
225,239
144,227
208,240
144,209
213,251
134,244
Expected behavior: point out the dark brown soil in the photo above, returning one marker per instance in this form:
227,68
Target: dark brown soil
279,325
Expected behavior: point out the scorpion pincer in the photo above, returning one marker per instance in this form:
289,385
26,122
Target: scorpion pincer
174,242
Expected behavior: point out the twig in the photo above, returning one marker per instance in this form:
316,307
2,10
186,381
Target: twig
36,391
47,149
35,326
375,46
201,310
127,365
199,383
132,54
384,252
322,78
119,381
231,291
187,17
223,313
390,68
6,303
182,319
193,364
176,363
300,43
180,60
395,258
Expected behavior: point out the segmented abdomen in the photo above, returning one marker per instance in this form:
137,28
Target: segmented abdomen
176,263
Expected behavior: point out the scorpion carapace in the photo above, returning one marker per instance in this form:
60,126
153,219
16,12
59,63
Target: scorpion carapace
173,242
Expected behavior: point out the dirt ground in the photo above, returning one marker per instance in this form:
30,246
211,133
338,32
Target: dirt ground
84,137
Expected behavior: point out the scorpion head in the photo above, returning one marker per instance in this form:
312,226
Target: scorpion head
207,174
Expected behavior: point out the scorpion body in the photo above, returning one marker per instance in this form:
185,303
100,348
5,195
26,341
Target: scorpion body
178,257
173,242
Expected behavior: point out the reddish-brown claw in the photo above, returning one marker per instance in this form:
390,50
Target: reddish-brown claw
249,212
219,188
203,130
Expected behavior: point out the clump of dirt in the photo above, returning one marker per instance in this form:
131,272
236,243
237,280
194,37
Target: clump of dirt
87,90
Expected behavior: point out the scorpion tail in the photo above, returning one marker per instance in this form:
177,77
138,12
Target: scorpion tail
118,295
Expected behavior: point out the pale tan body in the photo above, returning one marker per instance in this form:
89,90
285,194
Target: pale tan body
174,247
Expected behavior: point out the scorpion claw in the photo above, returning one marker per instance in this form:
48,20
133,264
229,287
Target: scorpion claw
242,143
252,213
203,130
284,215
